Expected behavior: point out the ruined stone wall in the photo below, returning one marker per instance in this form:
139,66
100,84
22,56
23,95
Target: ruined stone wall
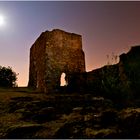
52,54
125,75
37,63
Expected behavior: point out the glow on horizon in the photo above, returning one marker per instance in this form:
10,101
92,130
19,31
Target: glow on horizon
105,27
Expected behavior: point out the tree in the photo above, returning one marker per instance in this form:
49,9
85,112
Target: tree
7,77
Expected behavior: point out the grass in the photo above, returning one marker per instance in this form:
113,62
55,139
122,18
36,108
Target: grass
6,94
23,109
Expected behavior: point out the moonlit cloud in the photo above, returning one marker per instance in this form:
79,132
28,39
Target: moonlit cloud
2,20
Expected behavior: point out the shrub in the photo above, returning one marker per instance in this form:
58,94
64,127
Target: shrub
7,77
114,88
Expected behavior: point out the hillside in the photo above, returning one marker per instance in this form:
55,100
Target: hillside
28,114
103,103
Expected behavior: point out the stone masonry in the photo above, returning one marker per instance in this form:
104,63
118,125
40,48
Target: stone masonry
53,53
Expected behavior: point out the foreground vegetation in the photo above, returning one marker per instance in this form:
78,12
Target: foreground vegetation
7,77
29,114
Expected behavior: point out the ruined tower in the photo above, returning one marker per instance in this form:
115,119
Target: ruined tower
53,53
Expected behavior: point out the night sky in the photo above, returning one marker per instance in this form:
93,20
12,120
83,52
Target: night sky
106,28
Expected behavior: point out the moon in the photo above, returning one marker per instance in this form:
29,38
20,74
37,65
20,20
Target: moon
2,20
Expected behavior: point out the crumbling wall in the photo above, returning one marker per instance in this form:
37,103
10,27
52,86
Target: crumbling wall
53,53
123,76
129,66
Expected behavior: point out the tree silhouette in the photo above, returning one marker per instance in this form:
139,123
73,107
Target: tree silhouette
7,77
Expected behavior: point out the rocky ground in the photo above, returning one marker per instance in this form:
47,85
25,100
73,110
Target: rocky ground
28,114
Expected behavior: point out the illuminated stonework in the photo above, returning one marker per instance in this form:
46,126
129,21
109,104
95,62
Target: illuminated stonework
53,53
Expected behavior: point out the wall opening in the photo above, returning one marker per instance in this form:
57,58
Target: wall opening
63,81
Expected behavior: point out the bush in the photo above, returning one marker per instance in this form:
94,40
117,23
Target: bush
113,88
7,77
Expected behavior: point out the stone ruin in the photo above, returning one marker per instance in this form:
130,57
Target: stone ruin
53,53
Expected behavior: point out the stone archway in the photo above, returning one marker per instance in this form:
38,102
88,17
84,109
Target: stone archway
63,81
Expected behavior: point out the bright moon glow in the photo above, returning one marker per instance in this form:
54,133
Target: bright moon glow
2,21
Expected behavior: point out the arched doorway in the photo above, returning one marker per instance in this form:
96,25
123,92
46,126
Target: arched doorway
63,81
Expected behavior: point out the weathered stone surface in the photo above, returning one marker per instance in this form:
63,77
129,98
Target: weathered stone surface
23,132
130,123
53,53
